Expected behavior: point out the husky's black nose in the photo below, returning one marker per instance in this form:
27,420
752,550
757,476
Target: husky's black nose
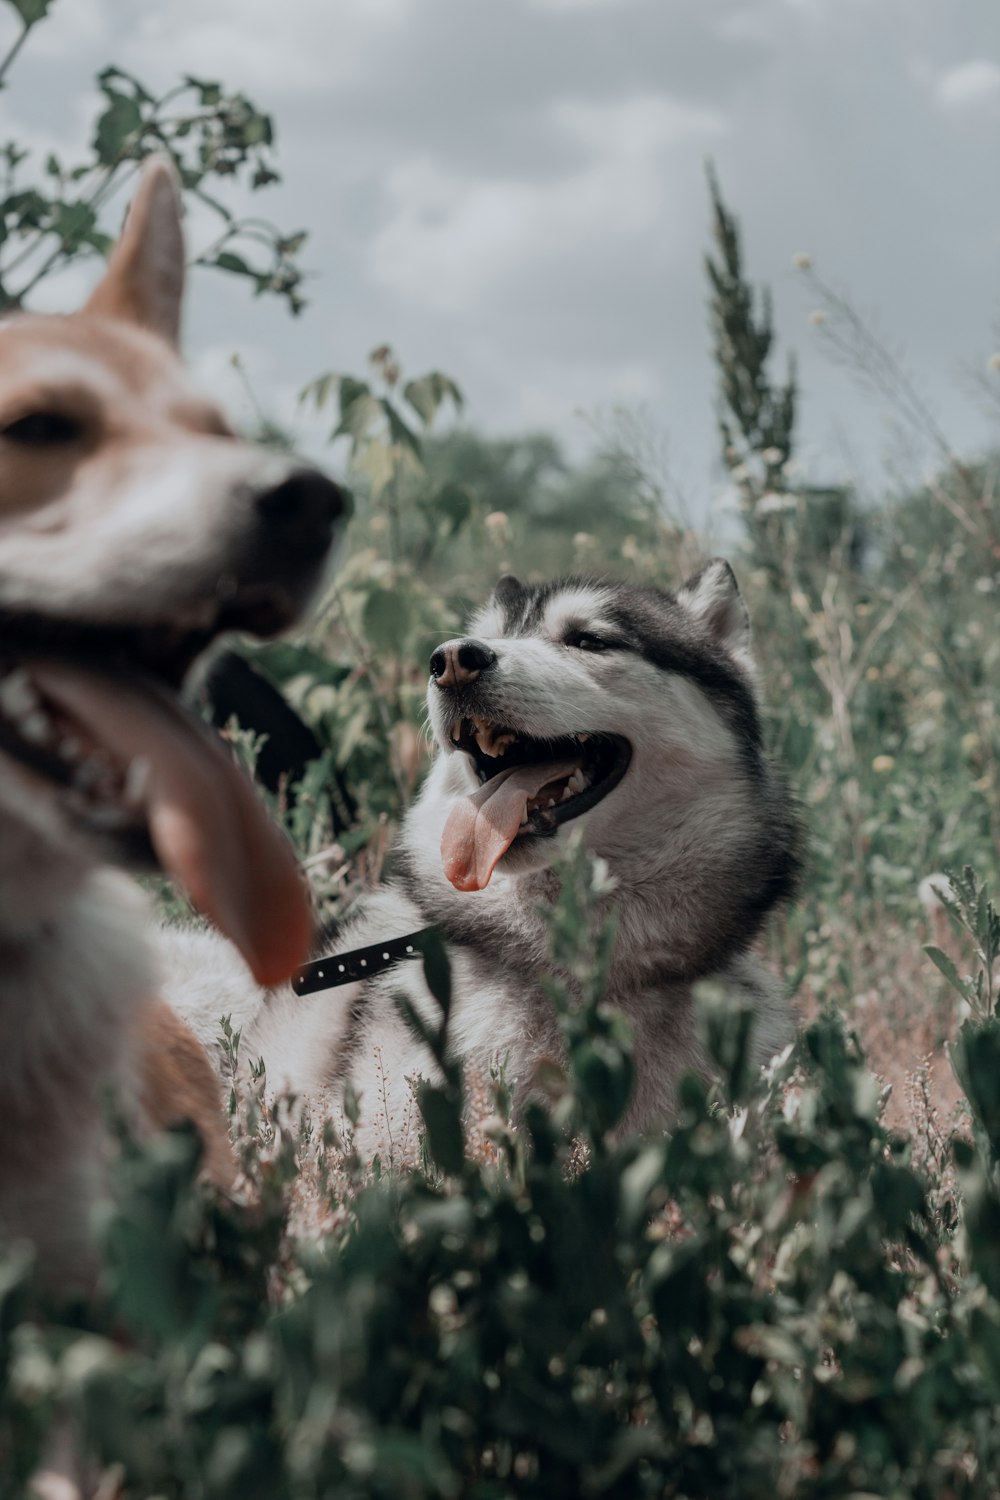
457,663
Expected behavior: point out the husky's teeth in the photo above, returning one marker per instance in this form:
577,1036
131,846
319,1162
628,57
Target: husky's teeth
583,738
17,696
551,802
567,795
456,731
576,782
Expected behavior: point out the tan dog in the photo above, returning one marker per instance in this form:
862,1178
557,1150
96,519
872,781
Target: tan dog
134,528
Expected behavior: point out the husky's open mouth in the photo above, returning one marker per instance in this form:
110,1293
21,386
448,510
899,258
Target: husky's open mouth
93,713
528,787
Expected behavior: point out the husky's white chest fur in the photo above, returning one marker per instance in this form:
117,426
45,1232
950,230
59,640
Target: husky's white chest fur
629,712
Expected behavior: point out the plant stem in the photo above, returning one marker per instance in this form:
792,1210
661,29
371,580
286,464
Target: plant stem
11,57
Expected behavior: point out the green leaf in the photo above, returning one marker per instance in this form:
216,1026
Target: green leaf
226,260
386,620
119,126
210,94
321,390
437,969
453,506
32,11
280,661
73,223
944,963
975,1057
445,1136
399,432
426,393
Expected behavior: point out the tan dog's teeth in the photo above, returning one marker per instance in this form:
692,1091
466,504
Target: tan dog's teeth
17,696
455,731
86,776
34,727
136,781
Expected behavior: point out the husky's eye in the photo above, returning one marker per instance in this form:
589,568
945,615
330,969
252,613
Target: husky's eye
585,640
42,429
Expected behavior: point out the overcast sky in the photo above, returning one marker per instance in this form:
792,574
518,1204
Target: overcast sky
513,191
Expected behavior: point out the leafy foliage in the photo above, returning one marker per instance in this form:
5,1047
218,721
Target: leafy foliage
759,1305
211,133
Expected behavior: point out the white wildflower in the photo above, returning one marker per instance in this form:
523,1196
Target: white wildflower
497,525
773,502
931,889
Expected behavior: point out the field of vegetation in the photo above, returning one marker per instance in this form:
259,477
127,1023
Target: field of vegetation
797,1293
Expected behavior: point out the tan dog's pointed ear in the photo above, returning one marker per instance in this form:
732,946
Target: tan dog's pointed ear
144,281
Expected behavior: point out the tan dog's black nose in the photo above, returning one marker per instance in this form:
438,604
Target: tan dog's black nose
300,514
457,663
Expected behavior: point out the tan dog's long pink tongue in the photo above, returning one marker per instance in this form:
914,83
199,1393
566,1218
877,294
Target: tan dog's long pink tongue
481,827
208,827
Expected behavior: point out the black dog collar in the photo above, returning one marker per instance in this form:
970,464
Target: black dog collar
360,963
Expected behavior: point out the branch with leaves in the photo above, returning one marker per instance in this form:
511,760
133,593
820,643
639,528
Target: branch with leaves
54,216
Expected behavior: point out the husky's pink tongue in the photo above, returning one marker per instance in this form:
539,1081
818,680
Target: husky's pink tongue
208,828
481,827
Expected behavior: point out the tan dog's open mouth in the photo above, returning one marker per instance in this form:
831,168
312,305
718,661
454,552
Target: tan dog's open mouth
130,765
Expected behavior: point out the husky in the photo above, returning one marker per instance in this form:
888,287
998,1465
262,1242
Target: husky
135,527
630,713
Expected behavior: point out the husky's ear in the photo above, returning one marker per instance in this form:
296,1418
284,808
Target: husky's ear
507,591
144,281
713,597
502,610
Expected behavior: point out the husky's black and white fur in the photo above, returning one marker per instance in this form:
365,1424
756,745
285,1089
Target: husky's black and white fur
651,699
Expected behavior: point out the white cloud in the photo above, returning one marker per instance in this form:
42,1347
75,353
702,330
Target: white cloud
634,128
573,7
273,49
969,85
449,237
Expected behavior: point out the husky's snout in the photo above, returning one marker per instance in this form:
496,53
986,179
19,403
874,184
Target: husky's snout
456,664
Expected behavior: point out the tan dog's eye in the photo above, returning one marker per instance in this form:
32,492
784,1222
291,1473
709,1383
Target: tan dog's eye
42,429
